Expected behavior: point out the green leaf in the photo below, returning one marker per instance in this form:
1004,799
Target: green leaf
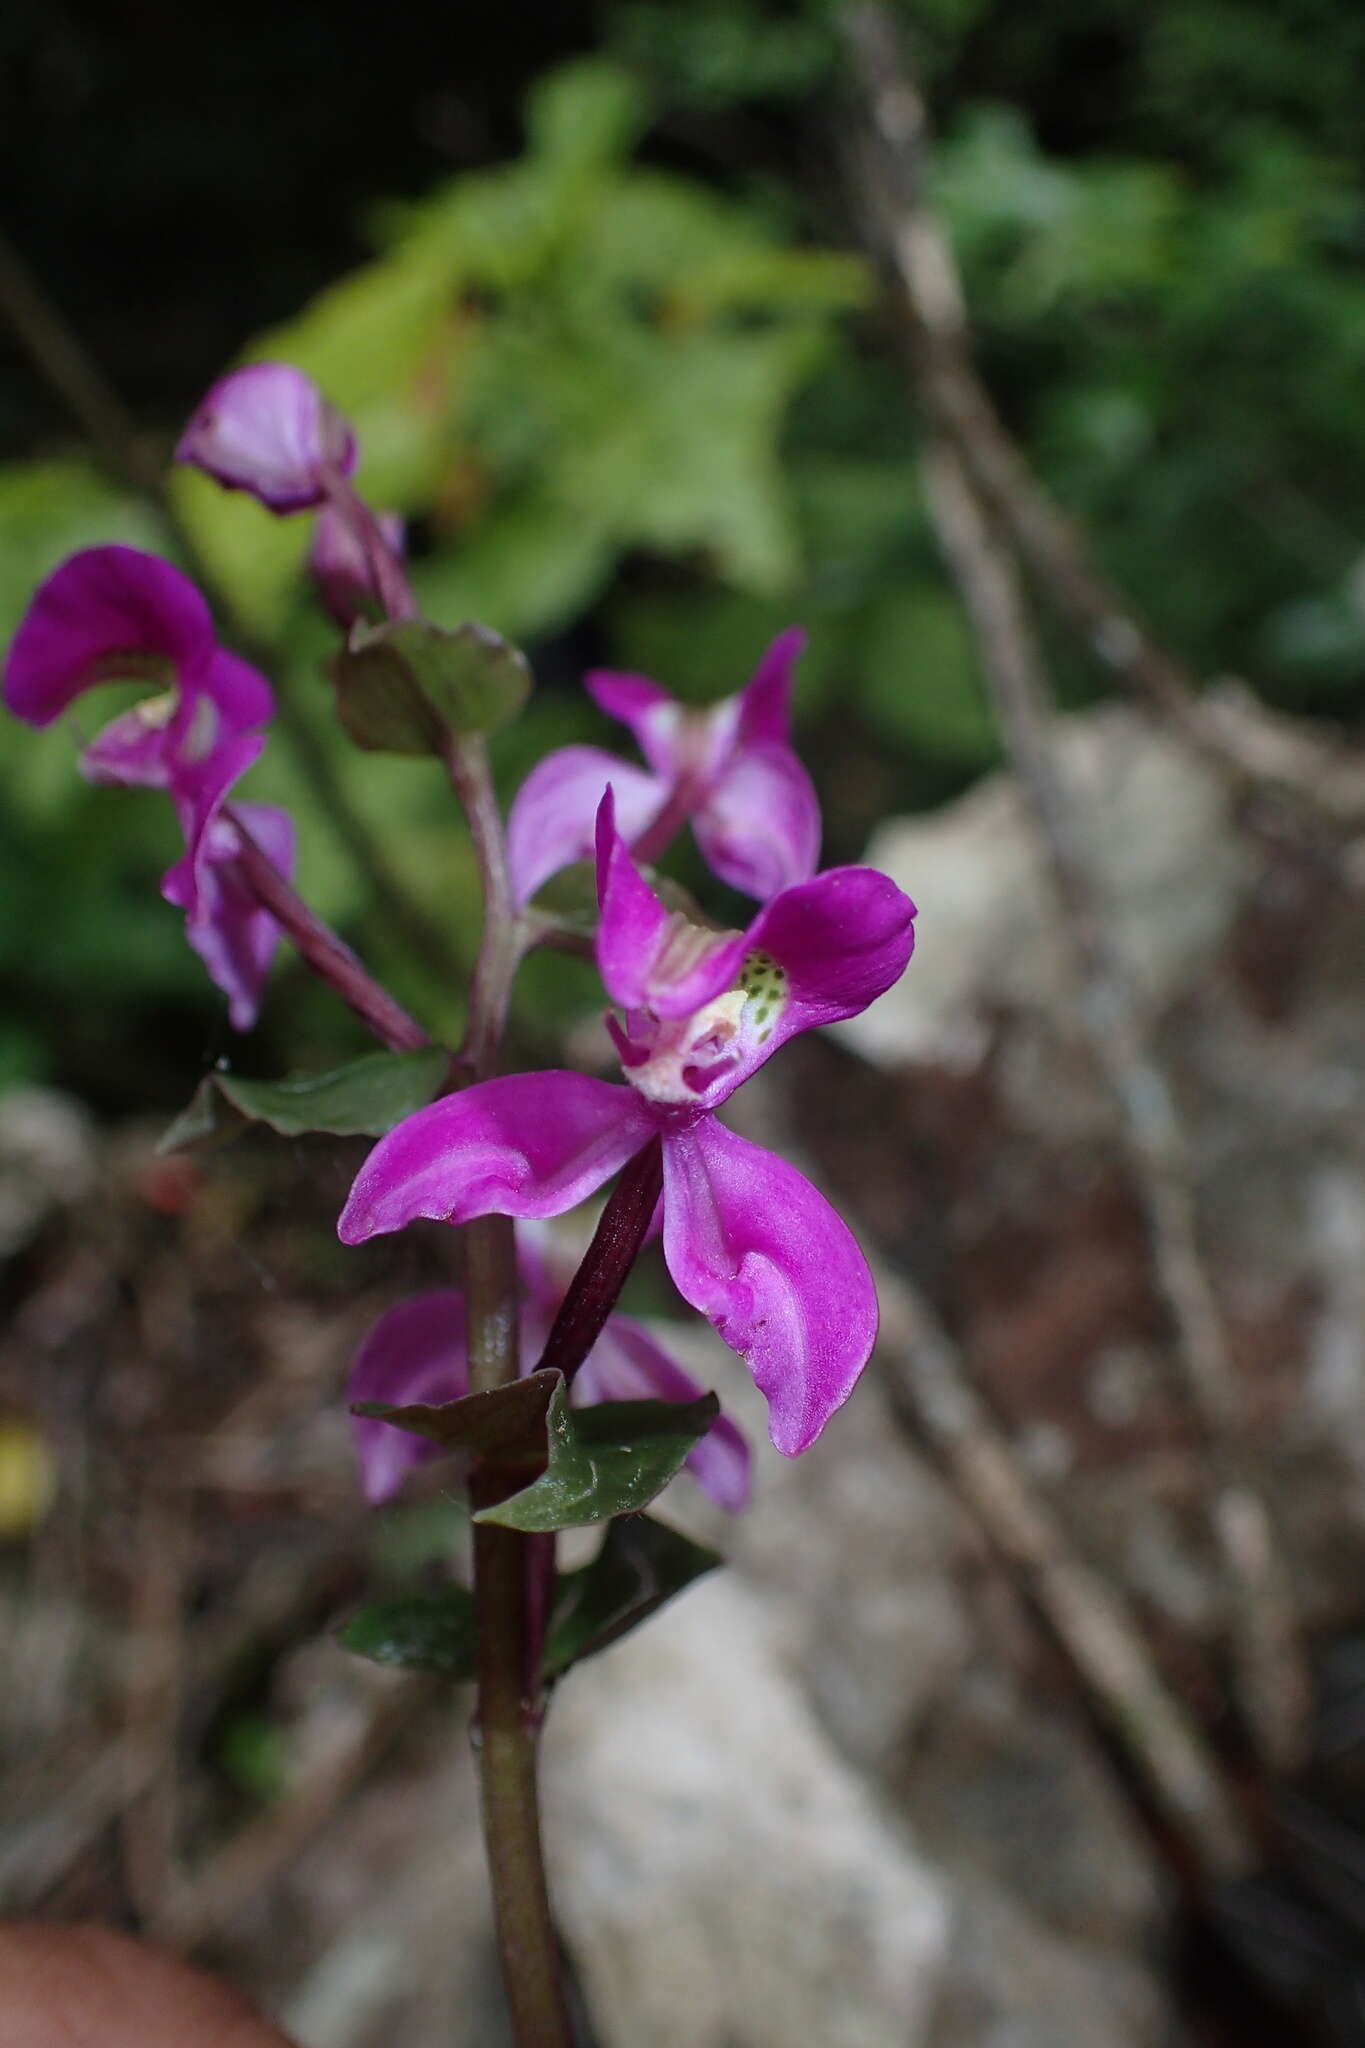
585,114
418,1631
505,1426
611,1459
922,685
409,688
642,1564
251,559
533,564
363,1099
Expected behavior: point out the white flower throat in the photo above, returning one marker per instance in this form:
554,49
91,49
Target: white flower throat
679,1058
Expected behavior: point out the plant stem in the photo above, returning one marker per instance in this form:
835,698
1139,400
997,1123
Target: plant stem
593,1291
512,1572
506,1743
389,577
501,943
330,958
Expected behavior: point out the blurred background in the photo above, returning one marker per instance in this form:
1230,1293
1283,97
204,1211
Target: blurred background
1033,1708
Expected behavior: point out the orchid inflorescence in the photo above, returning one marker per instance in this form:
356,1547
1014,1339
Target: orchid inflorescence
555,1410
697,1010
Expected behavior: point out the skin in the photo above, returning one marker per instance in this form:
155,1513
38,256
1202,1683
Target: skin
87,1987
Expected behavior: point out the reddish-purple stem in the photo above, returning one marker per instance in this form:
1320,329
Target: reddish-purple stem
596,1286
330,958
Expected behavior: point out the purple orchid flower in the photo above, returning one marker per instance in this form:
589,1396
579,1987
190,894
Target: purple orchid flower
730,769
267,429
114,613
339,566
417,1353
232,934
746,1237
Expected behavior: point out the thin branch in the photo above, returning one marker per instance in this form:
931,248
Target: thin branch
1273,1672
968,521
62,361
1229,728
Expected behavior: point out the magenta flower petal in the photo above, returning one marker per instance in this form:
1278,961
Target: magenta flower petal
759,827
626,1364
267,429
765,1258
653,717
525,1145
765,700
241,693
234,937
131,750
198,792
340,567
839,940
105,613
414,1353
551,819
648,956
633,923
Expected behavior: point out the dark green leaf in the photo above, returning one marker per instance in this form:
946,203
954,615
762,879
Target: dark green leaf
420,1631
642,1563
366,1098
603,1461
505,1426
410,688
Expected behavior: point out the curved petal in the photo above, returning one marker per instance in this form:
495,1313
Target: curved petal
765,700
99,606
525,1145
759,827
839,940
132,751
627,1364
166,741
273,831
267,429
655,719
414,1353
551,819
241,692
198,791
761,1253
633,922
233,935
649,956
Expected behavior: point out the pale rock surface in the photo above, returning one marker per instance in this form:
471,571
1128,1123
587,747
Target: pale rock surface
47,1159
1153,823
725,1879
1012,1983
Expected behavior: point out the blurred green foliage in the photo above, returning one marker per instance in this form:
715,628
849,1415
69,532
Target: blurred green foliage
639,407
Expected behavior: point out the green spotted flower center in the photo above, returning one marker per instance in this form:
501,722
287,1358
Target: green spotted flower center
765,989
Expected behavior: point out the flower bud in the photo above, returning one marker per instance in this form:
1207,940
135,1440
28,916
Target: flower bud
342,570
267,429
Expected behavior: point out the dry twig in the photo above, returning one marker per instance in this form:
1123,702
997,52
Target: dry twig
1259,749
1273,1674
